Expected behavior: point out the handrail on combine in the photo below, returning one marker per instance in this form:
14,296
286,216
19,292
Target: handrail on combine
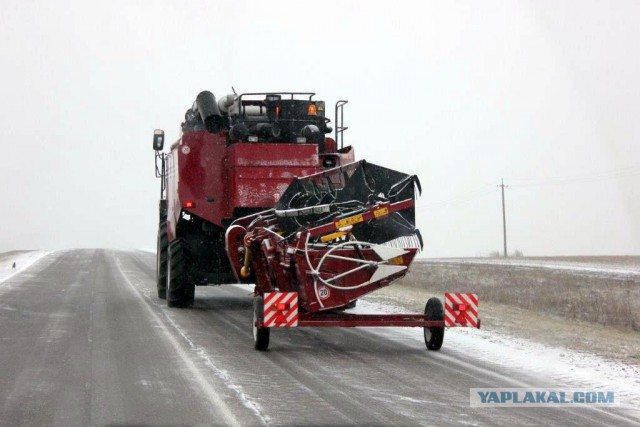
293,94
340,127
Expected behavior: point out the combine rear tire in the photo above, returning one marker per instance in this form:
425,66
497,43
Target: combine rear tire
260,335
161,261
180,284
434,311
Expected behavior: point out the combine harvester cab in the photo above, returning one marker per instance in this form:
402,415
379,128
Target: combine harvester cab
332,238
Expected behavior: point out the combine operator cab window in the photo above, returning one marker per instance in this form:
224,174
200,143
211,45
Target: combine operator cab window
280,117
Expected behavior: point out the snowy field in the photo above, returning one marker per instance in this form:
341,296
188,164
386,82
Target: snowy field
22,260
602,290
619,266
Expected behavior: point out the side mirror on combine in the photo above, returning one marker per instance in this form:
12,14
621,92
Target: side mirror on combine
158,139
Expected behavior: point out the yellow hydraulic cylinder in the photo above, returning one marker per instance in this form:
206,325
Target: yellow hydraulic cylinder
245,271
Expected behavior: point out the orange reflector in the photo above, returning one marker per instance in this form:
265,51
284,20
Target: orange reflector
277,112
282,306
333,236
312,109
188,205
399,260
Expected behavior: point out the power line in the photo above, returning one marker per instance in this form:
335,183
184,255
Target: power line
485,189
474,195
621,173
459,199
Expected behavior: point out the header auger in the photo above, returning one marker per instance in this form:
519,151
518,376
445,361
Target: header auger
254,192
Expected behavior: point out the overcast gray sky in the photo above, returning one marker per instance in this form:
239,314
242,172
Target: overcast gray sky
543,93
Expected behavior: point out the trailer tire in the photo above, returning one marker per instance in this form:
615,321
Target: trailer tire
260,335
161,260
180,284
434,311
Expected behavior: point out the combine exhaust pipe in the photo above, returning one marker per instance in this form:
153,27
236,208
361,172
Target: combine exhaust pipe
209,112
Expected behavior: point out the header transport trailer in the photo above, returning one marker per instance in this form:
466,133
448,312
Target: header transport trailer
255,192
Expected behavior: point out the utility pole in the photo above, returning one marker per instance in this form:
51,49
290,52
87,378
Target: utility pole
504,218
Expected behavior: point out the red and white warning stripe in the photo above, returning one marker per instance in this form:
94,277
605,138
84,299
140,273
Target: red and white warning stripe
280,309
461,310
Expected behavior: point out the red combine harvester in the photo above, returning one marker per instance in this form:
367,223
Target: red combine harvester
254,192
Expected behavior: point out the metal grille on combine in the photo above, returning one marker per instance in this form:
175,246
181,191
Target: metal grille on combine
280,309
461,309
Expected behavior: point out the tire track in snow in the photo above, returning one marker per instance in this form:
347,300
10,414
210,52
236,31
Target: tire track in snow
220,373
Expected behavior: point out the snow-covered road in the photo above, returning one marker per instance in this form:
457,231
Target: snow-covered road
86,341
505,353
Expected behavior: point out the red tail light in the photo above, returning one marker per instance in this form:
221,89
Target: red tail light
188,205
282,306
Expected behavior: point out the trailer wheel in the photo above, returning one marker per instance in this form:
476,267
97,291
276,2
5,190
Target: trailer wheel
433,337
180,285
260,335
161,260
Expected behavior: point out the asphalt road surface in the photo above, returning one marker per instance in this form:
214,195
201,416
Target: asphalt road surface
84,340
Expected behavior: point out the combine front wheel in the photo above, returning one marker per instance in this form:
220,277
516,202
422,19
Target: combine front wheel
434,311
260,335
180,285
